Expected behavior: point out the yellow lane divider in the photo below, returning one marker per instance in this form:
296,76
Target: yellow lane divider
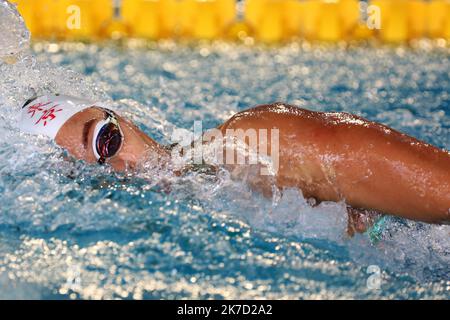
270,21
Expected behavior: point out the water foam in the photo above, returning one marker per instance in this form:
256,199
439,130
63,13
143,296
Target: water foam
15,37
211,236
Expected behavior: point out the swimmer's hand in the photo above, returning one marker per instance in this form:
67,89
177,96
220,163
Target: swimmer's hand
360,220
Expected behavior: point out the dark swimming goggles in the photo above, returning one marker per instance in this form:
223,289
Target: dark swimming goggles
108,137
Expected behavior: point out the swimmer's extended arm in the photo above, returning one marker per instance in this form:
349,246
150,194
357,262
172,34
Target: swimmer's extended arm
380,168
339,156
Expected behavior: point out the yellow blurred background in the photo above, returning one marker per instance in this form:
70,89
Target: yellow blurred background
269,21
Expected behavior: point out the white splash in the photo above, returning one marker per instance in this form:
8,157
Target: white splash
14,35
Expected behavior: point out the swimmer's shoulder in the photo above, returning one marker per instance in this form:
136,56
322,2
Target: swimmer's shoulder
270,112
279,108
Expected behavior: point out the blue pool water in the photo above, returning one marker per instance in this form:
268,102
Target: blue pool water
69,230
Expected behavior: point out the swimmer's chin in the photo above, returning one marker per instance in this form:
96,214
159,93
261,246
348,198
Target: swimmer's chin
142,163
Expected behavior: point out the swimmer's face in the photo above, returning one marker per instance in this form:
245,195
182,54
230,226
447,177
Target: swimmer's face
127,148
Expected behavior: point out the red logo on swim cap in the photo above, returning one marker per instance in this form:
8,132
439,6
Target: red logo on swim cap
47,114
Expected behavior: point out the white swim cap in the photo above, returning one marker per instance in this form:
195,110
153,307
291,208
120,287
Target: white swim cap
47,114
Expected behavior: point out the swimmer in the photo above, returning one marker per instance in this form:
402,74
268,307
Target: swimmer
329,156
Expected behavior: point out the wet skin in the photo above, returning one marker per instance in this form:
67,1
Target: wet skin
329,156
76,137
